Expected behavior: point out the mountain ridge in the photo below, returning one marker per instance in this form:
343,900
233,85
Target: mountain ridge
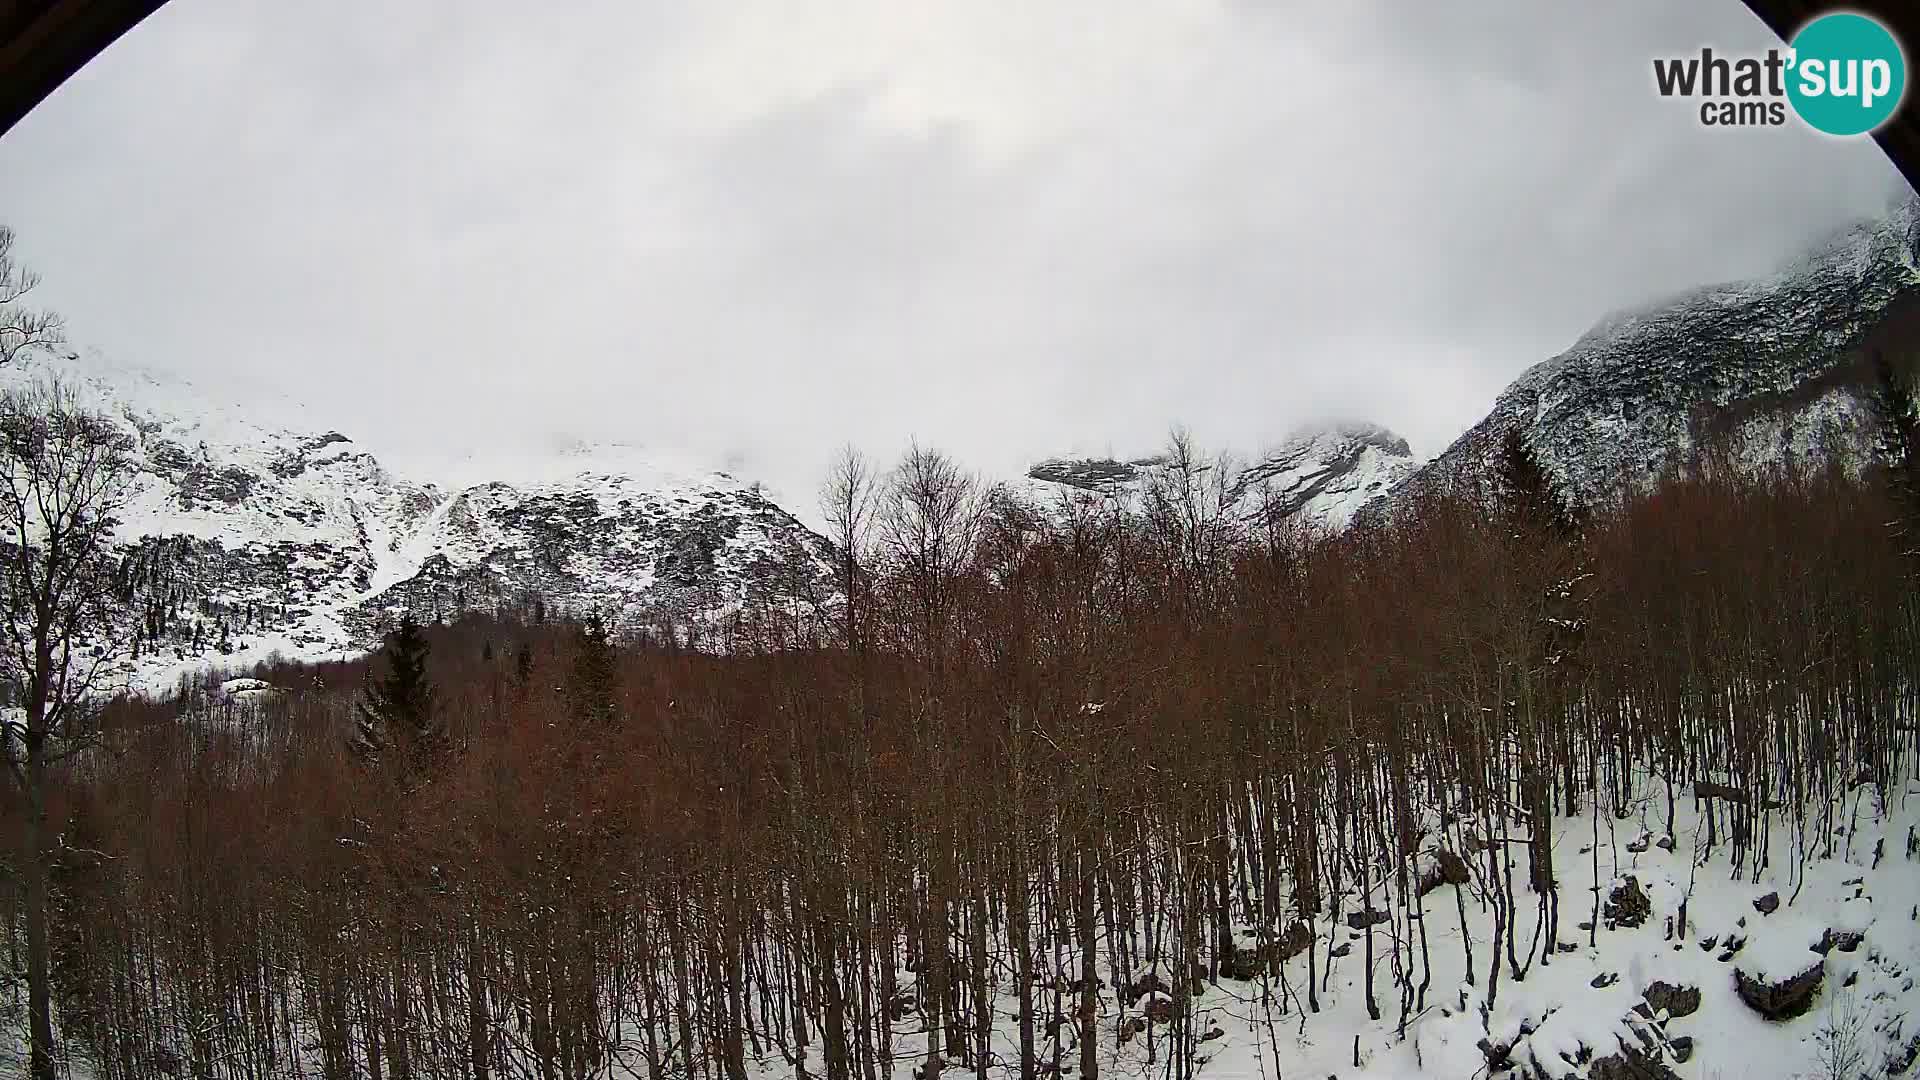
253,536
246,539
1315,479
1762,372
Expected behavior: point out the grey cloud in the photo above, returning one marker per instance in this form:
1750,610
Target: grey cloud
458,229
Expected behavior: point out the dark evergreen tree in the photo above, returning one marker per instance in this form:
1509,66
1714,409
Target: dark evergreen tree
523,668
592,687
1528,493
399,710
1894,408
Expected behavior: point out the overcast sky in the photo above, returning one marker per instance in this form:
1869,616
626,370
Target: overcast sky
756,229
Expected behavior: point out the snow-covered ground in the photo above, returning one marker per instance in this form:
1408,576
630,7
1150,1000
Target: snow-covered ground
1846,926
1580,1007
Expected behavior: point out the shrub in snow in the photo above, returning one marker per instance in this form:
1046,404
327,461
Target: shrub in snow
1842,1039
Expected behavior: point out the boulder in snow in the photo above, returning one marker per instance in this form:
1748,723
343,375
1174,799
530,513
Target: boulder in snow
1676,1000
1781,999
1365,917
1628,904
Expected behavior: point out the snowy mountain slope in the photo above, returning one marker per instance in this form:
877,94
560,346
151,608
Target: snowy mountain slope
1317,479
633,544
248,539
1322,478
1764,371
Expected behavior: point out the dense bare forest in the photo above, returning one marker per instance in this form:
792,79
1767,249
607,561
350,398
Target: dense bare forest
1058,766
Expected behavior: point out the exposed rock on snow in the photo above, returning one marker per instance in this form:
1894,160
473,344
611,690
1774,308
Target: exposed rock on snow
1781,999
1844,940
1442,867
1632,1063
247,690
1627,905
1675,1001
1547,1042
1360,920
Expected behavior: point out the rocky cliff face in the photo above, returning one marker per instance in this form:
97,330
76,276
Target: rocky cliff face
632,543
1758,373
246,539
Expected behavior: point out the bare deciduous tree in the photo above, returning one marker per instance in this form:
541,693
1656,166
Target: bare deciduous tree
847,500
64,475
22,328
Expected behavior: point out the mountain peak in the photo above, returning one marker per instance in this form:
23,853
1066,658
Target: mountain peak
1322,475
1317,478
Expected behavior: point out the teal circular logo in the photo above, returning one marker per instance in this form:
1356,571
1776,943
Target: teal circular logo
1847,74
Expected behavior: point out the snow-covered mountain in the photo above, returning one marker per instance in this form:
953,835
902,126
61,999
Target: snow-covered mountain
1321,478
249,538
1763,371
1317,479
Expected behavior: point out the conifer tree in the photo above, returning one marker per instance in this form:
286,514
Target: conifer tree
590,691
1527,492
399,710
523,667
1894,408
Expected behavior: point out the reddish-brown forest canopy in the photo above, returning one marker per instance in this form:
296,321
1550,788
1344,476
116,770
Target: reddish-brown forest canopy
1049,752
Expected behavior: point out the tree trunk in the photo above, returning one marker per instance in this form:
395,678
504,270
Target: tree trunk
1089,971
39,988
476,1008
